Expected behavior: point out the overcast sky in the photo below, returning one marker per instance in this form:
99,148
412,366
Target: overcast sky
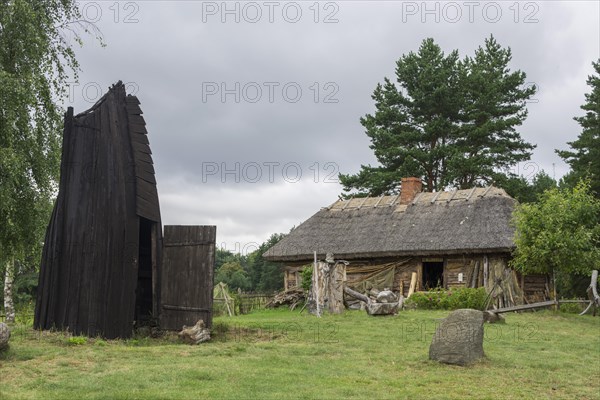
253,108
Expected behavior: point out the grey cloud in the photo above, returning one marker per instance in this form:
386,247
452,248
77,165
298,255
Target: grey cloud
171,52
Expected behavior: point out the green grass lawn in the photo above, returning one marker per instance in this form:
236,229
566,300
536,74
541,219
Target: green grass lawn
278,354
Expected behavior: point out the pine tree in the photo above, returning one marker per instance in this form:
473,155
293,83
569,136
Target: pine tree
584,158
494,104
450,122
414,124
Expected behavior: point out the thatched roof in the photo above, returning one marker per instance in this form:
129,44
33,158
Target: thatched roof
457,222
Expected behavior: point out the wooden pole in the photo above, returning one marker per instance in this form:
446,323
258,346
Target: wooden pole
524,307
554,287
316,280
486,271
226,298
475,277
413,284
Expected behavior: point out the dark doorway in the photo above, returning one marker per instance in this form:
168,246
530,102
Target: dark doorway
143,293
433,274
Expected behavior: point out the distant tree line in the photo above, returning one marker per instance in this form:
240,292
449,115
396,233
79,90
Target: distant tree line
250,272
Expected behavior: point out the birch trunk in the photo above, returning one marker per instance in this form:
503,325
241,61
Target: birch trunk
9,307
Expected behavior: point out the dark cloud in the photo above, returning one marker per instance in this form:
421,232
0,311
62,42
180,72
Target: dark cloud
175,56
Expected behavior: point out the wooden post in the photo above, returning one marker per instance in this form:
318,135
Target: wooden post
316,281
523,286
475,277
486,271
335,289
556,308
413,284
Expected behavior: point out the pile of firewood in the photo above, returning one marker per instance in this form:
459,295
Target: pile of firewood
291,297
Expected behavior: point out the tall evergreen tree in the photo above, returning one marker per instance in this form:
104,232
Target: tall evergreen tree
447,121
413,124
584,156
494,104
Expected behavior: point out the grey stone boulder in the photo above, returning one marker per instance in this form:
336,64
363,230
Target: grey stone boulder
4,336
458,339
386,296
382,308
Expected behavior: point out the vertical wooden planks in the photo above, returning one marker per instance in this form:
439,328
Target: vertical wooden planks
88,274
187,275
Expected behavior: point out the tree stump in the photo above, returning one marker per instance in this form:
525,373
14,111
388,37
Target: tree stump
4,336
195,334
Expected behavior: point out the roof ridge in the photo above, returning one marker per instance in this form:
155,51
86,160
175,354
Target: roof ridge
442,196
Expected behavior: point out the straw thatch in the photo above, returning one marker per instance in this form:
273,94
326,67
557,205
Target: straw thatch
457,222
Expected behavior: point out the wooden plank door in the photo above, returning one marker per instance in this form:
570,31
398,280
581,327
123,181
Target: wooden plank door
187,276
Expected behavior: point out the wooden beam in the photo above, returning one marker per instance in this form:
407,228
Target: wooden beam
475,276
486,271
363,202
451,197
487,189
417,198
542,304
378,201
347,202
413,284
471,193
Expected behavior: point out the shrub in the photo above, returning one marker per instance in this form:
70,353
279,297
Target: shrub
307,277
76,340
572,308
453,299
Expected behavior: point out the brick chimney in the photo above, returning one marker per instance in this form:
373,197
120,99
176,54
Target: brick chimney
409,189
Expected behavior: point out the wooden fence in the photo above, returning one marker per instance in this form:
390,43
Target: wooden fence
253,301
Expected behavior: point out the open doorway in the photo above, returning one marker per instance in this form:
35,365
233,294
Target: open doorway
143,292
433,274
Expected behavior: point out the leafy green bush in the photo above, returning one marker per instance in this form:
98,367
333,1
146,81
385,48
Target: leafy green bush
572,308
24,314
307,277
76,340
453,299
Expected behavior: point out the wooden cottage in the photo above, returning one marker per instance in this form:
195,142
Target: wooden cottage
106,266
460,238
